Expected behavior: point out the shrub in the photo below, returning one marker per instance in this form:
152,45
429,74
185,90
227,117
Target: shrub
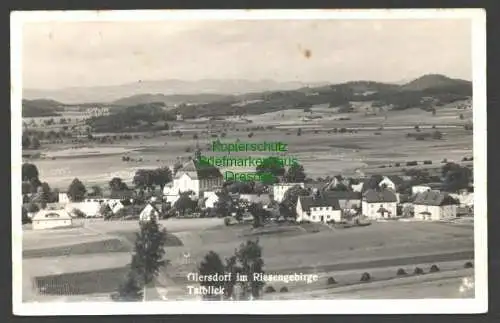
227,221
468,264
411,163
365,277
284,289
418,271
250,135
331,281
78,213
270,289
444,161
397,164
434,269
427,162
401,272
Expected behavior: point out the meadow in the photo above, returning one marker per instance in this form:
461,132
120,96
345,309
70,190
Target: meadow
327,251
322,152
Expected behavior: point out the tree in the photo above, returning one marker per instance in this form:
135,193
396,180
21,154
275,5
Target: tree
340,187
116,184
35,143
249,257
76,190
46,193
295,174
29,172
26,142
258,213
373,182
26,187
291,196
144,179
131,289
24,216
211,265
162,176
148,253
455,177
271,165
96,191
461,116
183,203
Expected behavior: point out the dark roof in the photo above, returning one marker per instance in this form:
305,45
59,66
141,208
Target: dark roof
395,179
197,170
344,195
435,198
122,195
309,201
376,196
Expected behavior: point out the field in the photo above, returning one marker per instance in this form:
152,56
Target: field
321,153
55,264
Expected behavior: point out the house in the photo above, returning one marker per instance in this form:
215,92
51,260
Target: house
279,190
376,204
357,187
49,219
347,200
88,207
392,182
115,206
464,199
416,189
435,205
318,208
196,177
63,197
210,198
149,211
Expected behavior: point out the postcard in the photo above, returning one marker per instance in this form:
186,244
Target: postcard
280,161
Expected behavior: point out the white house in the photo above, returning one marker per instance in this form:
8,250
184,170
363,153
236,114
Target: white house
149,211
90,209
115,206
264,199
357,187
63,198
49,219
318,208
210,198
195,177
434,205
416,189
391,182
377,204
279,190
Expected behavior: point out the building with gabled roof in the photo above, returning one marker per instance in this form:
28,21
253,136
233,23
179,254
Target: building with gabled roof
51,218
318,208
377,204
435,205
196,177
347,199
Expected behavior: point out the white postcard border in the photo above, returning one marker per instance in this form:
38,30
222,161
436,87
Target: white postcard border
479,304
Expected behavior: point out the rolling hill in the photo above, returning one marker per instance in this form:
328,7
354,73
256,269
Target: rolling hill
40,108
166,87
434,81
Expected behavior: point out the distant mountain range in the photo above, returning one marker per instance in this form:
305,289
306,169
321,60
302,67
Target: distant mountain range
212,88
273,96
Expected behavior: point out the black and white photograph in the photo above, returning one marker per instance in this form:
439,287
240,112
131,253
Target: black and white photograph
249,161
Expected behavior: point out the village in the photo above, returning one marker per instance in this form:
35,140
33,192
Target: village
197,190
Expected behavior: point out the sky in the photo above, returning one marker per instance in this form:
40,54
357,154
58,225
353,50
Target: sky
73,54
